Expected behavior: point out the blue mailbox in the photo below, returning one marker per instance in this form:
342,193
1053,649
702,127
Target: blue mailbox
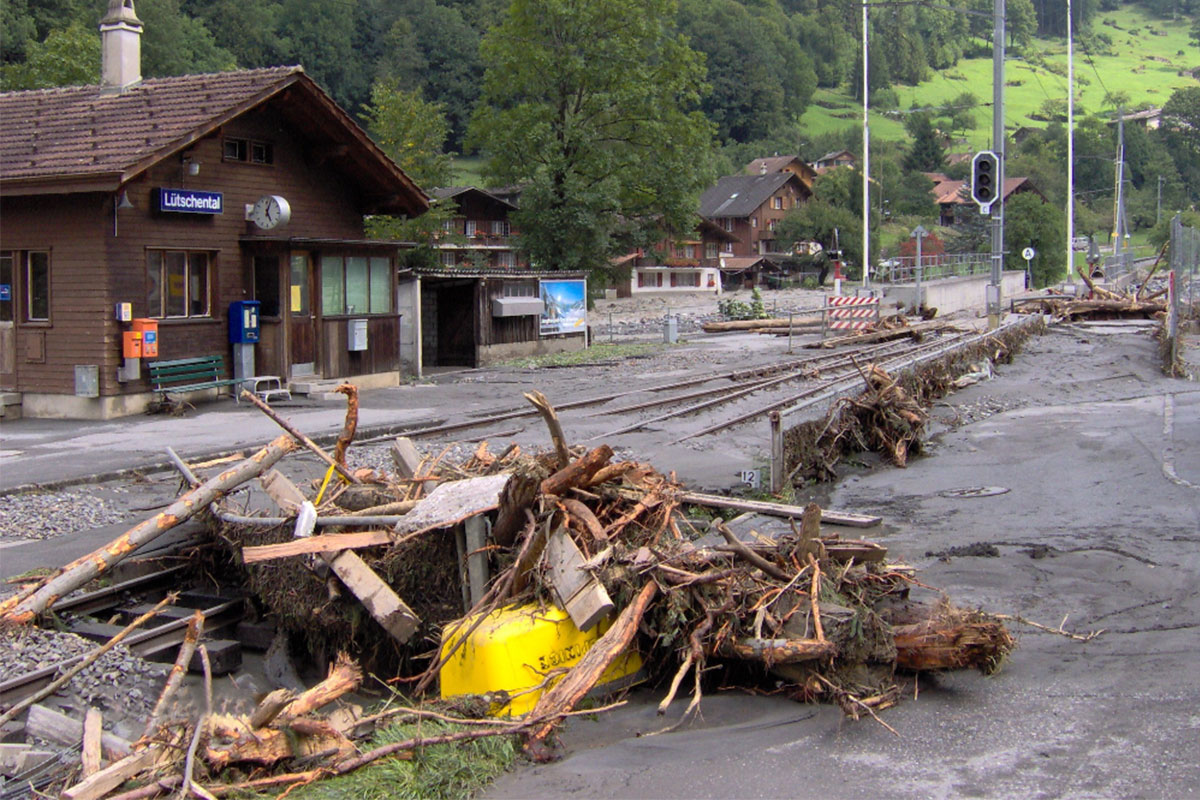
243,321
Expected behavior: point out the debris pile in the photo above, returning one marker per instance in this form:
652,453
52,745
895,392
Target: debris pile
1099,303
385,564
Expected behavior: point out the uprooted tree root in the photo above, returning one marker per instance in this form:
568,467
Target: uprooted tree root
889,416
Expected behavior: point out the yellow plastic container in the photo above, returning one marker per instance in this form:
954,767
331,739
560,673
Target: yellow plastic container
515,647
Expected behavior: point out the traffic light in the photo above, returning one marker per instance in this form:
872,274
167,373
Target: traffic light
985,178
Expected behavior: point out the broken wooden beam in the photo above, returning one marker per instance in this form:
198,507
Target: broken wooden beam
326,543
828,516
579,593
376,596
54,726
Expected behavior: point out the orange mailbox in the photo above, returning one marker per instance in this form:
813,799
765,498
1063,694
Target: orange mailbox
148,330
131,344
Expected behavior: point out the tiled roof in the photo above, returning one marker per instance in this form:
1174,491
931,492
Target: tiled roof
741,195
77,131
960,191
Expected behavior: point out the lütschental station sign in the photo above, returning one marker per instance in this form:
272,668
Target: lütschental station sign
190,201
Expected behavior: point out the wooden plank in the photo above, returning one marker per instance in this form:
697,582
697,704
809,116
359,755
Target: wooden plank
328,543
282,491
376,596
829,516
583,597
405,457
112,776
90,753
453,502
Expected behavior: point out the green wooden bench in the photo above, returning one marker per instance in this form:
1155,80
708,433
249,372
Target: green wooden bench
189,374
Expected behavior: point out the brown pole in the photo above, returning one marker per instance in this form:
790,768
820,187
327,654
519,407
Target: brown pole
299,437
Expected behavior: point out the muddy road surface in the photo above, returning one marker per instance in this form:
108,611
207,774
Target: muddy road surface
1074,476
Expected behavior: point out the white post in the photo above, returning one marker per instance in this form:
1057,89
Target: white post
1070,147
866,166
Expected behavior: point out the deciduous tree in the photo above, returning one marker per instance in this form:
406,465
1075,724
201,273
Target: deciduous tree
412,131
593,106
1030,222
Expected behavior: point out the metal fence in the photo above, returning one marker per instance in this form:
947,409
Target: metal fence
903,269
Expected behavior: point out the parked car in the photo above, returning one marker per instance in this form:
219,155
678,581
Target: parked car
1080,243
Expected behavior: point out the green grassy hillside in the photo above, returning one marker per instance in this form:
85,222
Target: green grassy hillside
1150,59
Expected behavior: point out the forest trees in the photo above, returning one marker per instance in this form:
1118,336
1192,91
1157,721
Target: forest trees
600,122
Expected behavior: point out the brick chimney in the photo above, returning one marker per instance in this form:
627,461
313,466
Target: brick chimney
121,47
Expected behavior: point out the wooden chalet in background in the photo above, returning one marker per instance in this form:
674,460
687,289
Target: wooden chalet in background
168,200
833,160
954,197
751,206
480,233
793,164
688,264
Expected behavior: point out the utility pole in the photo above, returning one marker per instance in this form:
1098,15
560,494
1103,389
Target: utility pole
1119,229
1070,147
993,290
866,166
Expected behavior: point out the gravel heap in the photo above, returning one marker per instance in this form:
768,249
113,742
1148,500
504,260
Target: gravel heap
44,515
118,682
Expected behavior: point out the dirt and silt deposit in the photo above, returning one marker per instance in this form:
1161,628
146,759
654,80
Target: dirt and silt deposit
808,598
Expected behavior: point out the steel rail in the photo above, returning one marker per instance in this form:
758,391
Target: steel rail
504,415
763,383
727,397
148,642
818,391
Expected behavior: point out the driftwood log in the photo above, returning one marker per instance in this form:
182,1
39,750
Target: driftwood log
24,607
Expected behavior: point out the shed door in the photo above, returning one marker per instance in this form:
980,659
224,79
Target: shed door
302,333
8,331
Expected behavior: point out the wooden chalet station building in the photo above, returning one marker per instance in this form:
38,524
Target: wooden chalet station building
170,215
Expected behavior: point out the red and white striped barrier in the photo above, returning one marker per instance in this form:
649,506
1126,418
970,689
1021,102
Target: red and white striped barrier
850,314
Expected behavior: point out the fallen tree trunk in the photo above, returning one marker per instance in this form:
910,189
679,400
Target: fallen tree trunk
952,642
780,651
583,676
883,336
754,324
21,610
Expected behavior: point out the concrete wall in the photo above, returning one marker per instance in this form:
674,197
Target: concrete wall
408,305
951,295
492,354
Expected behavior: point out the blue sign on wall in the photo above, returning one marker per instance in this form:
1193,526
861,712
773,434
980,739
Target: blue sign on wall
5,291
190,201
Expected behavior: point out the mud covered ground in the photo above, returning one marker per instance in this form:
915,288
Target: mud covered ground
1073,481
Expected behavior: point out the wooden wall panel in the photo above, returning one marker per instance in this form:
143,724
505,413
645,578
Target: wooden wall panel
81,328
95,264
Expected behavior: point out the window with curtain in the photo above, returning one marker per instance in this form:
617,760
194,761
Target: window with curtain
356,285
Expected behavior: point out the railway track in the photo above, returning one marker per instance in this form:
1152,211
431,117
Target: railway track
718,388
158,641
